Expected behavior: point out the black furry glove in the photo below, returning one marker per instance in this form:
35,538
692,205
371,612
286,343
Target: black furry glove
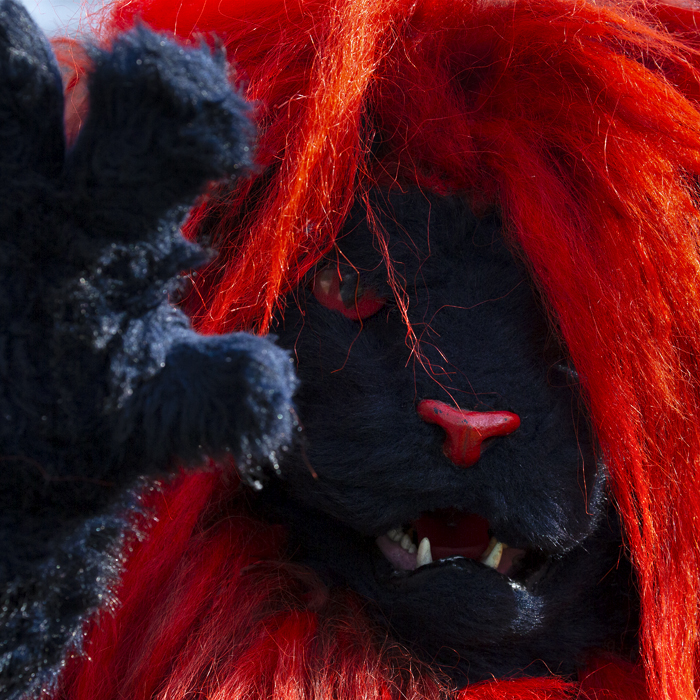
103,380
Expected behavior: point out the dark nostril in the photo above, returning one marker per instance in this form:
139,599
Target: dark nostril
466,430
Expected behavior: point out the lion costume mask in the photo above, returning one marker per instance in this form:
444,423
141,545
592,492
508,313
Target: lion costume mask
574,126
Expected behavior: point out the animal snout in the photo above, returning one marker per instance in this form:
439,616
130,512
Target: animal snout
466,430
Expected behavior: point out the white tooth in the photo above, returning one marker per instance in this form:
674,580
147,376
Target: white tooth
395,535
494,557
492,543
406,543
424,555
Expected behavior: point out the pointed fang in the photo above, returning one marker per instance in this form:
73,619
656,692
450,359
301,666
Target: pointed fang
424,555
493,559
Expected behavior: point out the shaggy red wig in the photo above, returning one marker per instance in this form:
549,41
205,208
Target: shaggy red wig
578,119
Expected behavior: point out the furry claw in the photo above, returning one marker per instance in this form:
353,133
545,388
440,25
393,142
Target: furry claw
163,122
31,103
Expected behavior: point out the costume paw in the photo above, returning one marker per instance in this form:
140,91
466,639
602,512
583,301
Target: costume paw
103,380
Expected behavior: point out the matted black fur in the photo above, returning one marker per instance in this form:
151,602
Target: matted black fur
102,379
485,345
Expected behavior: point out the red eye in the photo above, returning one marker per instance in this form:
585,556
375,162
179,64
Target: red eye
361,305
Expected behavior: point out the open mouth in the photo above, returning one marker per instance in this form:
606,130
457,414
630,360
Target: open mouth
448,534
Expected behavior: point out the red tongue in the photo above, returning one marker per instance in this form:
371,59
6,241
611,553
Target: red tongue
454,534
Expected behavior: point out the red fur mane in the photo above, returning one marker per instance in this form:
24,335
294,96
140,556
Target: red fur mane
581,122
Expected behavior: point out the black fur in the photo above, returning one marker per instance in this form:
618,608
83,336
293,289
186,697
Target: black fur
103,380
486,344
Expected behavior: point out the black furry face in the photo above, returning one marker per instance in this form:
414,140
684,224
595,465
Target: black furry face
375,477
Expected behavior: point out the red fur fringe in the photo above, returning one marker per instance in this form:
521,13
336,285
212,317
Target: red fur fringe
581,121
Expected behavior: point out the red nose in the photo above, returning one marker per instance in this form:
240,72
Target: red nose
466,430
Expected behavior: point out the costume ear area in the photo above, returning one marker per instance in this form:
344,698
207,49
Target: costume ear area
31,101
162,122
